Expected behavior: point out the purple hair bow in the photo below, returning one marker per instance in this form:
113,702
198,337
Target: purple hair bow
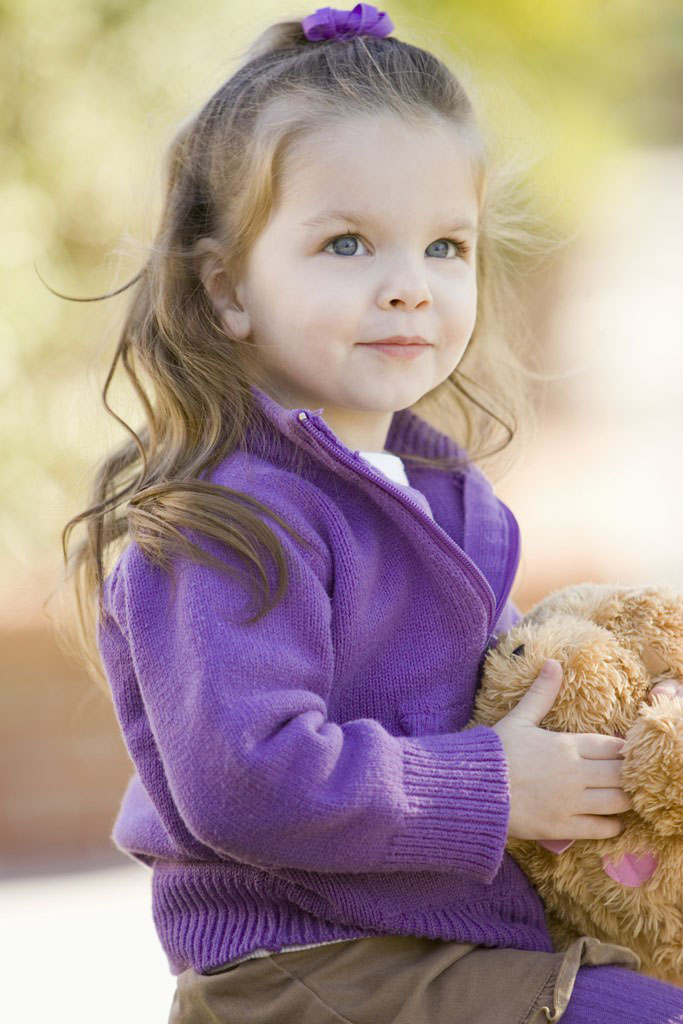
363,20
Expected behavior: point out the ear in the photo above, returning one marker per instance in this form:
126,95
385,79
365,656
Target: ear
653,661
208,261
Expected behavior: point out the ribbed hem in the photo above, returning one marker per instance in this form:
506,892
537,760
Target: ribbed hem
458,804
209,914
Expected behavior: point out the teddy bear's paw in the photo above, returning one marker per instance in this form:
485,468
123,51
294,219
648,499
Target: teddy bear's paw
667,963
652,773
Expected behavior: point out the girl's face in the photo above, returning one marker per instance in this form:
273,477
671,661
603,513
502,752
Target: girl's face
374,235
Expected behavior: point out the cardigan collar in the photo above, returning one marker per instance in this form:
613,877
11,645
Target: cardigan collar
408,433
484,528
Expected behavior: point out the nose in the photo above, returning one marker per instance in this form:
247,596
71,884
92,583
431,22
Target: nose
411,300
406,287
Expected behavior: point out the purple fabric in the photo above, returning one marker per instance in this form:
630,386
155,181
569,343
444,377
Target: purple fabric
332,23
307,778
615,995
416,495
509,617
419,497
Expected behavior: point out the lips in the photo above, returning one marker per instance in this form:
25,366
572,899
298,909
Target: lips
404,350
398,340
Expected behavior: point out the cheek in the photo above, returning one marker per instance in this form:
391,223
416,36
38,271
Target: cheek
472,297
325,283
460,303
296,307
312,289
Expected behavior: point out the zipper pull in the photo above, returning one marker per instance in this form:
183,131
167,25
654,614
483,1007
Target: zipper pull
324,429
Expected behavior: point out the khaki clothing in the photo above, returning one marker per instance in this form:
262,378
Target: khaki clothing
392,979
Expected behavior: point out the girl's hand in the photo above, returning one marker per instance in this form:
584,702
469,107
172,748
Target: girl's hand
669,687
562,785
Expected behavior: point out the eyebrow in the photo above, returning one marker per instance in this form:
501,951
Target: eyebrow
457,224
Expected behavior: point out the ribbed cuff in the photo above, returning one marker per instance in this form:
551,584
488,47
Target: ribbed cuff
458,804
622,996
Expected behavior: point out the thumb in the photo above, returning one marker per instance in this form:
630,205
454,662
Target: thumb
541,695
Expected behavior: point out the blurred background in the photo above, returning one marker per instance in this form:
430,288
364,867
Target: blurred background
93,91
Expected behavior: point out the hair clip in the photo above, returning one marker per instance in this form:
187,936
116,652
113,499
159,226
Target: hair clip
363,20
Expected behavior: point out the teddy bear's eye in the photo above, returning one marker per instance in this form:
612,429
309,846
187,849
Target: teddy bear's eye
519,650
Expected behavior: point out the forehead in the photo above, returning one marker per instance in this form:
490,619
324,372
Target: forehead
379,163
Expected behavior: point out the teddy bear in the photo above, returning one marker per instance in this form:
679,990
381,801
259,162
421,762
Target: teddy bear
614,644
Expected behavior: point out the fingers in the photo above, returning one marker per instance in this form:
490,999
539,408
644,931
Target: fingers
605,801
600,774
586,827
595,747
541,695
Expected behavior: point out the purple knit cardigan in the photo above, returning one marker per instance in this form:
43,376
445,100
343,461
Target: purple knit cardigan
306,778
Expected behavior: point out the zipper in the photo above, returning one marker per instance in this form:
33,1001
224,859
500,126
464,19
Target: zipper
430,525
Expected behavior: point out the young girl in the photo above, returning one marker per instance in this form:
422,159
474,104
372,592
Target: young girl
326,838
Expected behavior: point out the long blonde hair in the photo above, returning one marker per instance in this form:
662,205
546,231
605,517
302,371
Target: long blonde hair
228,157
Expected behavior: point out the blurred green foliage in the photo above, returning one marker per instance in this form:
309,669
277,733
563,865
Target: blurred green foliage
93,90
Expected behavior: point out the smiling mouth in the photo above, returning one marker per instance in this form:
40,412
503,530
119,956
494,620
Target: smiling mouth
399,351
398,339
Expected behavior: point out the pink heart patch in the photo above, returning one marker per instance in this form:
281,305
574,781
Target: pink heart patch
632,869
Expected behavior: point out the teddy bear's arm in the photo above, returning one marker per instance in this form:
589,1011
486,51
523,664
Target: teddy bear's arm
652,773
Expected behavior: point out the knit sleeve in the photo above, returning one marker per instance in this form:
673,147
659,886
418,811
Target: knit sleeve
228,727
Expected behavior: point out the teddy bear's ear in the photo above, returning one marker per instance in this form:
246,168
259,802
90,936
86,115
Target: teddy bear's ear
653,661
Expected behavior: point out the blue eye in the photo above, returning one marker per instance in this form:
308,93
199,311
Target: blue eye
461,247
347,239
351,239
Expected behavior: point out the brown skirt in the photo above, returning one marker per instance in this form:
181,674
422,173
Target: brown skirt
392,979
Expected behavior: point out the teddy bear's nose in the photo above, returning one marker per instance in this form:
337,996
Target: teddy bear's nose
519,650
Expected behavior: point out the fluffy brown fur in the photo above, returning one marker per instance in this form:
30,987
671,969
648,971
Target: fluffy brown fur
614,644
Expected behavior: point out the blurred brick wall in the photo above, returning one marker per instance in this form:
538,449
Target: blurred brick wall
63,765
